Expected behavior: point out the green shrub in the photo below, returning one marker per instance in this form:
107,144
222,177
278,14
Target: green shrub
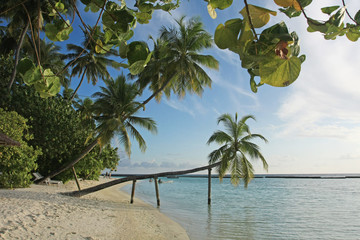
16,163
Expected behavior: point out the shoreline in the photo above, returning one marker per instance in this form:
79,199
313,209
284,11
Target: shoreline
42,212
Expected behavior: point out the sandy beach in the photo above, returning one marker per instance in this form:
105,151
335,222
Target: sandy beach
42,212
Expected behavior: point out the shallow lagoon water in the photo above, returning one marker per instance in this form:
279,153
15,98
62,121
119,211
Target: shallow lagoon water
267,209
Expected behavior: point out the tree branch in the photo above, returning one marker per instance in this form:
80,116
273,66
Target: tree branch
347,12
249,17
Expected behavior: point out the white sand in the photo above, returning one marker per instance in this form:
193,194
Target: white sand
41,212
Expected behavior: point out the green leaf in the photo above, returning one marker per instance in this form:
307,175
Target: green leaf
339,17
220,4
259,16
329,10
137,50
315,25
99,45
357,17
253,84
32,76
226,35
211,11
276,33
58,30
290,12
25,65
137,67
280,72
123,49
143,17
353,33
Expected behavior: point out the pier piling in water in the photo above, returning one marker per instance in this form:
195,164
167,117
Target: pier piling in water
209,186
157,191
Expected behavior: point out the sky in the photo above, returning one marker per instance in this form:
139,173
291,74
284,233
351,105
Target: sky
313,126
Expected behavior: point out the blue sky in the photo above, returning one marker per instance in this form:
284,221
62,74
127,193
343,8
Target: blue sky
313,126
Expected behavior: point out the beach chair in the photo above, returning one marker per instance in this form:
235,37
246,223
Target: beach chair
48,181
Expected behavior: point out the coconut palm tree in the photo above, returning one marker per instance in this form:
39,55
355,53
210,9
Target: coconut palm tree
114,109
111,109
91,64
176,65
237,149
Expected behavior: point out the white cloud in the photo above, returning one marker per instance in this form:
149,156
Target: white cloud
325,100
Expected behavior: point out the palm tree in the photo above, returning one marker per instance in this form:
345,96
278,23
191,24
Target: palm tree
114,110
85,107
236,150
91,64
176,65
111,109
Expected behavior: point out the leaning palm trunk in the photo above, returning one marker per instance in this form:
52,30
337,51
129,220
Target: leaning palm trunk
17,54
130,178
72,163
95,142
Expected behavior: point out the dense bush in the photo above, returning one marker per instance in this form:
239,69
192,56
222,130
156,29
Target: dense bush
16,163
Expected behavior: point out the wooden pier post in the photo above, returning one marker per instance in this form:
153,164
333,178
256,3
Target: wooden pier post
157,191
76,179
133,192
209,186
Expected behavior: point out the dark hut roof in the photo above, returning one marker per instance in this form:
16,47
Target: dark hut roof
6,141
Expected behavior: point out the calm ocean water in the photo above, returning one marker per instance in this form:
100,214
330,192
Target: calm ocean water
268,209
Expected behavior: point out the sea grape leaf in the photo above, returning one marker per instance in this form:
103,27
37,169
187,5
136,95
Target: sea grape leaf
32,76
276,33
357,17
338,17
143,17
315,25
220,4
58,30
253,84
259,16
280,72
226,35
290,12
329,10
137,50
353,33
288,3
99,45
25,65
122,49
211,11
138,67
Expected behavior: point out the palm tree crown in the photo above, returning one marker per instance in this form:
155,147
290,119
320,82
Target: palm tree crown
236,150
114,110
176,65
91,64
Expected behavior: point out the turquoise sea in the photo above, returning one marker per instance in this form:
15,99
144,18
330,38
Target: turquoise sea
271,208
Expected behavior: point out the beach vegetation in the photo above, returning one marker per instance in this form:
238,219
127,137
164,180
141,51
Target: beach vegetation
237,149
16,162
114,110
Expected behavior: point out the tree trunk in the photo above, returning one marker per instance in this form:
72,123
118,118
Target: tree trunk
17,54
82,79
132,178
70,164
